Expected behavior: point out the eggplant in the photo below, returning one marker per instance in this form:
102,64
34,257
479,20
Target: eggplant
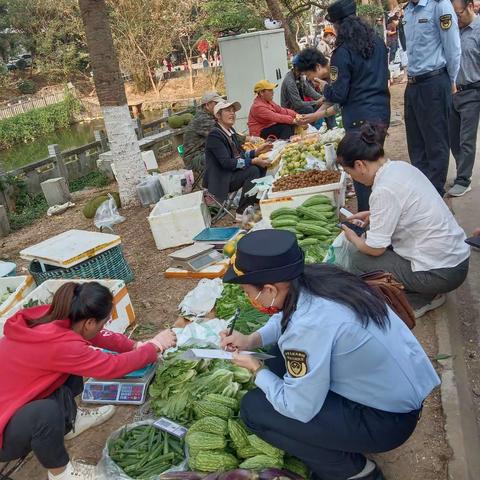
182,476
212,476
278,474
239,474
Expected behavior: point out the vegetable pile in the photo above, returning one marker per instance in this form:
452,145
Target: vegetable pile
312,178
218,441
237,474
314,223
180,388
145,451
6,294
249,320
294,156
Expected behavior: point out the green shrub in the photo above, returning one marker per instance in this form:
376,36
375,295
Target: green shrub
35,123
26,87
371,12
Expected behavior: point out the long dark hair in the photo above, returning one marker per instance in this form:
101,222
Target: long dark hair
77,302
363,144
357,35
330,282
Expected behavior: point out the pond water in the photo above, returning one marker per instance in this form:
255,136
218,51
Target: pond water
74,136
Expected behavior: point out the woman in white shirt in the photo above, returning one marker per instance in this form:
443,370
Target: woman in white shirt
411,232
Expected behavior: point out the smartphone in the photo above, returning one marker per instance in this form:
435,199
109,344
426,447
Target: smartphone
357,229
473,241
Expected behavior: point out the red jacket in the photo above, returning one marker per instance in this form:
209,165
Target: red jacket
34,362
265,114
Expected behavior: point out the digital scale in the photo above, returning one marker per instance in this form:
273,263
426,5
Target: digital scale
129,390
195,257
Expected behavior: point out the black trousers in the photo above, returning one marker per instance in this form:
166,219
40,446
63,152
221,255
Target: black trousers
427,110
40,426
243,179
281,131
333,442
463,132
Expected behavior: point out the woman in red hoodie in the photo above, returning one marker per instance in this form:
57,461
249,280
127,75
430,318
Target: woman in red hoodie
44,354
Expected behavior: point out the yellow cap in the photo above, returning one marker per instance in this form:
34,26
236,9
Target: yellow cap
264,85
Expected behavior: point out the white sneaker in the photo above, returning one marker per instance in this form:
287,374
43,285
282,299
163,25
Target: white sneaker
458,190
90,418
75,471
437,302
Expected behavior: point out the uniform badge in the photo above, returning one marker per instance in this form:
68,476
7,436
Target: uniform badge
445,21
296,363
333,73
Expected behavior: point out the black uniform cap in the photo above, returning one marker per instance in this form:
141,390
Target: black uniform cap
341,9
266,256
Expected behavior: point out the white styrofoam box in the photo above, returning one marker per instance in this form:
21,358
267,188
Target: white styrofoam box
294,198
123,314
149,160
20,287
177,220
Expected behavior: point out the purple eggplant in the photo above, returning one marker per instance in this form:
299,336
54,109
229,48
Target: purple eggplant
212,476
239,474
182,476
278,474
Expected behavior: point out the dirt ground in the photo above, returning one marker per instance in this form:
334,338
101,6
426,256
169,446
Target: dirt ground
155,299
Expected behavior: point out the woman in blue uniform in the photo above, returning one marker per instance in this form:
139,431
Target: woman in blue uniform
348,376
358,75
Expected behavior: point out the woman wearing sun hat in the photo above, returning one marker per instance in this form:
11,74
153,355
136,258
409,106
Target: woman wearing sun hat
348,376
228,166
267,119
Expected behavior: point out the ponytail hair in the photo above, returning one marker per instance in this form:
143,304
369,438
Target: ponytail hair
363,144
77,302
332,283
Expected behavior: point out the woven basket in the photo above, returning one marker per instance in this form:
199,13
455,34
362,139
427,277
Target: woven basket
110,264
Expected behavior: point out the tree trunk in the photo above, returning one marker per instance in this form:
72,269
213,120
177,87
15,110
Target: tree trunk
129,166
276,11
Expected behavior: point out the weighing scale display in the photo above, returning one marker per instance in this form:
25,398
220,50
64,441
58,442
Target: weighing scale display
130,390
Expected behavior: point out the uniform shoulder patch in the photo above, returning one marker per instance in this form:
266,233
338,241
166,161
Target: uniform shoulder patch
333,73
446,21
296,363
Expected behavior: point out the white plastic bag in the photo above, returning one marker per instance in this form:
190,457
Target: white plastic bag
260,185
107,469
201,300
314,163
203,334
107,214
339,252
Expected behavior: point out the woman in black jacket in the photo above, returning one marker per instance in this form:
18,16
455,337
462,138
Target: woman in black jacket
228,166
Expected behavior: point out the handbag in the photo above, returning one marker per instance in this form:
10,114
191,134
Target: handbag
392,291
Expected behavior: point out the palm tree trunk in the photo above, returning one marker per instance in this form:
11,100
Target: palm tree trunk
129,167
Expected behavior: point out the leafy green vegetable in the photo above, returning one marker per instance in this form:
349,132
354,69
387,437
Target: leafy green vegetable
232,297
179,384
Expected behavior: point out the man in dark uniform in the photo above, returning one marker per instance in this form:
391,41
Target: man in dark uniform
433,50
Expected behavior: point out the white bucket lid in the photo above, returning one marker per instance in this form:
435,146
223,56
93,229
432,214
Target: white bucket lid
6,268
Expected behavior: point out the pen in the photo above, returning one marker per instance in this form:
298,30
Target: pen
232,325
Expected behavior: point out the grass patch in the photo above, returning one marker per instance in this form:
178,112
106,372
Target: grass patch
95,179
29,208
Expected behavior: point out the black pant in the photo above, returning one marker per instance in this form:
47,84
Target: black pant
333,442
40,426
281,131
243,179
463,132
427,110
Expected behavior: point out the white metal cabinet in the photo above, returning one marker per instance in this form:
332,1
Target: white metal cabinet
248,58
